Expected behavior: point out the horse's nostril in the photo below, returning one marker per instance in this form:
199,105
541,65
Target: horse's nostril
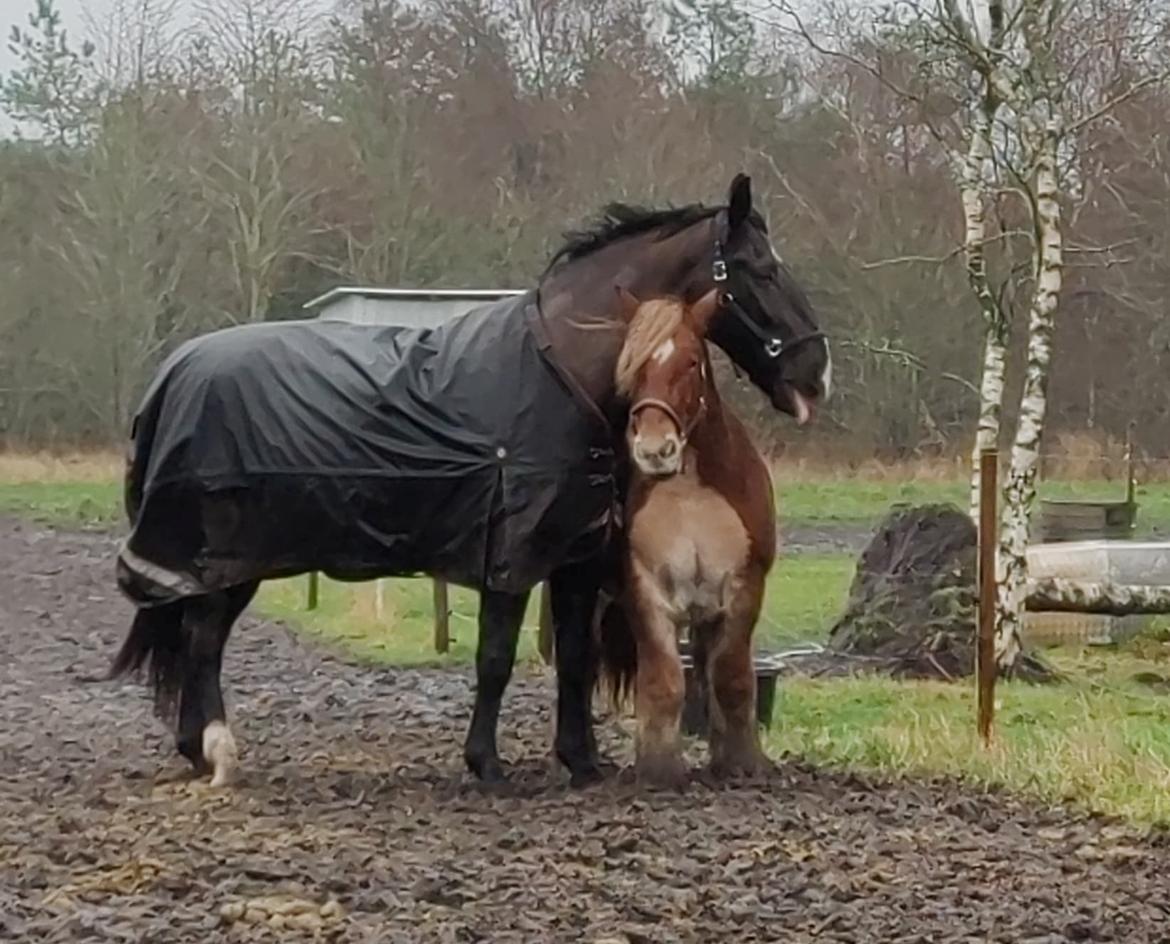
669,449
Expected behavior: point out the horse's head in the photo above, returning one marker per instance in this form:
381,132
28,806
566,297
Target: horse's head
766,323
664,372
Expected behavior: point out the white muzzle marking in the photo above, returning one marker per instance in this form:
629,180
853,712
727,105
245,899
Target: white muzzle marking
663,461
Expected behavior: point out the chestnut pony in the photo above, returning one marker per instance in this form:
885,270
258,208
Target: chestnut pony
700,538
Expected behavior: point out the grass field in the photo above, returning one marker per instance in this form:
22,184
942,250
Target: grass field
1102,741
87,492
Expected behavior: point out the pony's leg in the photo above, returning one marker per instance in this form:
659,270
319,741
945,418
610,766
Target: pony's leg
500,618
659,690
573,592
204,737
733,734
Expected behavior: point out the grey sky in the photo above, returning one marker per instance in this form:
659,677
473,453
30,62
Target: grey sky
17,11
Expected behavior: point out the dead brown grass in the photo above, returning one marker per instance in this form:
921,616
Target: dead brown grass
818,469
19,468
1080,456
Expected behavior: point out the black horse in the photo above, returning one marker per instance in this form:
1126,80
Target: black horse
482,452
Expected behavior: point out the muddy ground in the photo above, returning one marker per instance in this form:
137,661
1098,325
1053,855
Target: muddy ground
353,820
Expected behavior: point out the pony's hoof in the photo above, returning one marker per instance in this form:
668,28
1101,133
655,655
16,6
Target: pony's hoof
665,772
749,765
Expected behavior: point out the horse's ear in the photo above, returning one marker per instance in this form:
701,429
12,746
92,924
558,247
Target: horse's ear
704,310
739,201
629,301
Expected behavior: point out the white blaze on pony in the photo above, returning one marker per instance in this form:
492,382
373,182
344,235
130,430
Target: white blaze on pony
701,537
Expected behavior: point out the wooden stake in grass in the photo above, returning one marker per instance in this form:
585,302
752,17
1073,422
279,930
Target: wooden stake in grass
313,592
442,617
985,668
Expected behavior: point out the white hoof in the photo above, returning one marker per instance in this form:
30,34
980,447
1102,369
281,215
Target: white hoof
219,750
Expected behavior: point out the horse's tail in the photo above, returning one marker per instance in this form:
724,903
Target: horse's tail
155,644
618,650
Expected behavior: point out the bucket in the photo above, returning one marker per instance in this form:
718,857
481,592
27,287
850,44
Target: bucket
694,714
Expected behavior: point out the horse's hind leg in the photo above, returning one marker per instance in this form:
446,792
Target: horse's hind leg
733,734
204,737
500,618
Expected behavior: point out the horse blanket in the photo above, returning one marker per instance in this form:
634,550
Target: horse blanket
461,451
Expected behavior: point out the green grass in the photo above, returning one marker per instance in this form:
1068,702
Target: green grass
403,635
808,501
1103,745
860,502
805,595
84,504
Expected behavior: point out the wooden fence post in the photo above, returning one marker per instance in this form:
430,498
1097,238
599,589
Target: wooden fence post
985,668
313,591
544,629
442,617
379,598
1130,480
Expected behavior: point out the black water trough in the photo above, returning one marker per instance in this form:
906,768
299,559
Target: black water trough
694,716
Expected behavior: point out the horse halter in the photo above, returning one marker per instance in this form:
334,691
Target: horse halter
774,346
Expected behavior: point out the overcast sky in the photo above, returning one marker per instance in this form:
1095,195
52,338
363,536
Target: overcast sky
17,12
77,14
74,15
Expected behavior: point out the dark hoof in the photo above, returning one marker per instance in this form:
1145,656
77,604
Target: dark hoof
664,772
487,769
748,766
192,749
585,776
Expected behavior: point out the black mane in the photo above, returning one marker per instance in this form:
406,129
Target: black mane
618,220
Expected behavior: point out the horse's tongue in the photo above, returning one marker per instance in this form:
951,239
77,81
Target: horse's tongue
803,409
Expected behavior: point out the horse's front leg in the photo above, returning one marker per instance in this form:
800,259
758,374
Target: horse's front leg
573,592
731,676
659,688
500,618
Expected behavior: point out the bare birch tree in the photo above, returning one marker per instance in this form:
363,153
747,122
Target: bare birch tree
263,51
1017,60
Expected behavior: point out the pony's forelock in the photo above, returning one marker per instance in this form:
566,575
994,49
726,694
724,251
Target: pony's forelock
653,324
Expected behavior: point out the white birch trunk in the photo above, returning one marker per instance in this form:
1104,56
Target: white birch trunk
1020,489
991,389
1057,594
973,183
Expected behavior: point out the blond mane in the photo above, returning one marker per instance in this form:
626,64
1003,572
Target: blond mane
654,323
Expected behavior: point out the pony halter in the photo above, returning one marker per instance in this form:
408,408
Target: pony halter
684,429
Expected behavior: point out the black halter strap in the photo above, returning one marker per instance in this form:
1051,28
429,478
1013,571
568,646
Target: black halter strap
774,345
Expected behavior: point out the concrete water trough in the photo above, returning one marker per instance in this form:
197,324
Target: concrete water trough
1123,562
694,717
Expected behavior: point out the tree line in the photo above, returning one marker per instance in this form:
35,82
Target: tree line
167,179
